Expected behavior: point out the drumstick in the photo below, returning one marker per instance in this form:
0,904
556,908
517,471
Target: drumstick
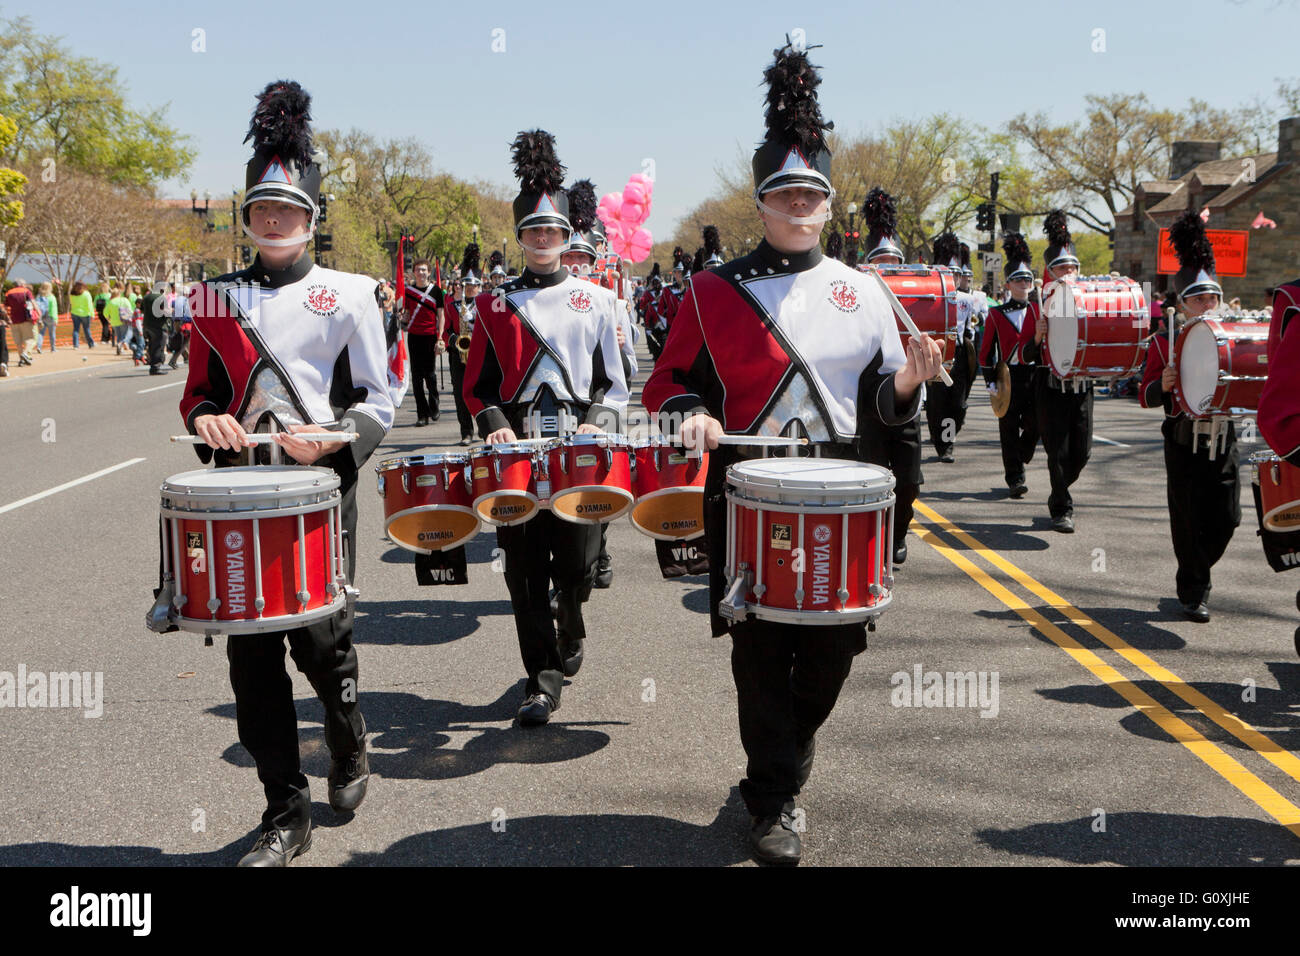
262,438
906,319
779,440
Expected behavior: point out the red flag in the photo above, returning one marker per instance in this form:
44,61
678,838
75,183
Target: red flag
1261,221
397,353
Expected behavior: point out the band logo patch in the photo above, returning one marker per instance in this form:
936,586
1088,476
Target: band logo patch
322,300
843,296
193,539
580,301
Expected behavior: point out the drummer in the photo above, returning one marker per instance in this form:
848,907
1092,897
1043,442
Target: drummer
308,350
1064,408
1009,328
784,341
544,363
1202,483
945,405
893,446
1279,403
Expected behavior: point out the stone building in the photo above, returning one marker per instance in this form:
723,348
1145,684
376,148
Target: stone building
1236,191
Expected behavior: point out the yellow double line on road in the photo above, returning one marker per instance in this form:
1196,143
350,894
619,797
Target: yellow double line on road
1272,802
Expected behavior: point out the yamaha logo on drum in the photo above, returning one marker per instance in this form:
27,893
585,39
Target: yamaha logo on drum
234,540
600,507
822,533
435,535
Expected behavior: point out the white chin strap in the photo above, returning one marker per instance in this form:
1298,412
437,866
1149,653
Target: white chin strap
280,243
547,252
795,220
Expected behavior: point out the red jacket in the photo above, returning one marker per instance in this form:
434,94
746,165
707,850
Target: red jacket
1152,393
1279,404
423,307
1002,342
667,305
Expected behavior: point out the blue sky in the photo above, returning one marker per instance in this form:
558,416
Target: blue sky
676,83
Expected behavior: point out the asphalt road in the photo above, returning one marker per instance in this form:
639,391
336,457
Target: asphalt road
1123,734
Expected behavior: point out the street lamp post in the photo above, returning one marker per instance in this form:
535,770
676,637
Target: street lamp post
851,238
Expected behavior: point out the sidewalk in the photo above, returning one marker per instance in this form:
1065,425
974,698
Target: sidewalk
67,358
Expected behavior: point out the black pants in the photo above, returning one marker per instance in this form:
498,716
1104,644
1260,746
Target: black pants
155,338
1204,509
945,405
898,448
1065,422
424,371
787,681
1018,428
105,330
264,708
540,550
463,416
4,345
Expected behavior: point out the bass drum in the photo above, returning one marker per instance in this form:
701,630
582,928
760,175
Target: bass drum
1222,366
929,295
1096,327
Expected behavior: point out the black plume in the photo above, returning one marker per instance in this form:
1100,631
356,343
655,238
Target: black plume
835,245
946,248
1187,236
654,273
712,243
469,262
965,256
537,167
582,205
1057,228
1016,248
680,258
880,212
793,115
697,264
280,122
496,259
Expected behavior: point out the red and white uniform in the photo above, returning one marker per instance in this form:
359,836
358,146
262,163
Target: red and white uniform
1279,404
423,305
454,321
301,346
554,330
668,304
1006,333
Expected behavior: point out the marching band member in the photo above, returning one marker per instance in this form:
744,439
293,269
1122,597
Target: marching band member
656,330
945,405
1204,492
498,274
1010,327
286,346
423,307
455,320
1064,409
670,299
544,357
1279,404
778,341
893,446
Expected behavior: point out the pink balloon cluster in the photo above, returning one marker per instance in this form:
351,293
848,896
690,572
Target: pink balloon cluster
623,215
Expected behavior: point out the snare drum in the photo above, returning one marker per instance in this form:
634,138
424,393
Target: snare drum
591,478
503,483
809,540
1279,492
669,490
1096,328
427,502
1221,366
253,549
929,295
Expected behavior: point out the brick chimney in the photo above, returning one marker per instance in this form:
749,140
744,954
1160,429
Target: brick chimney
1189,153
1288,140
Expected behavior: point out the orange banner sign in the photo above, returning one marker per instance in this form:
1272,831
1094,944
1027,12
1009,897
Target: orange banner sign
1229,252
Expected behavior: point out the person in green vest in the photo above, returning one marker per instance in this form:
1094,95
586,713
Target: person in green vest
81,305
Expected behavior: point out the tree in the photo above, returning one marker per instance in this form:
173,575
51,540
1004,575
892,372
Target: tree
73,110
11,181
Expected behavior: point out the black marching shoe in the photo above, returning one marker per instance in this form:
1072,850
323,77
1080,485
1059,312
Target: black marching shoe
348,779
604,574
537,709
277,846
946,457
1198,612
1063,524
157,370
1019,489
571,653
774,841
421,422
900,553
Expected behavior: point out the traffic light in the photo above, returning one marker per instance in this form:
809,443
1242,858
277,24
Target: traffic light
984,217
1010,222
246,254
326,242
324,208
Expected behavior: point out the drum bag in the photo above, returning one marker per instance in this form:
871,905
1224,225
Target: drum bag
442,567
680,558
1281,548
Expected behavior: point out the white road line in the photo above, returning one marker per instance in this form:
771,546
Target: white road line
158,388
1108,441
70,484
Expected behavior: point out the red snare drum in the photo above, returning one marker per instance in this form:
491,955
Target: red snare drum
669,489
427,502
253,549
809,540
503,483
1221,366
1279,491
929,295
591,478
1096,327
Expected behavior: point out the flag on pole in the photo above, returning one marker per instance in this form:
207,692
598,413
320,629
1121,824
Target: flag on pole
397,378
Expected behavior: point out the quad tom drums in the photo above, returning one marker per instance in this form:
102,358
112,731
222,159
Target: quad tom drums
428,505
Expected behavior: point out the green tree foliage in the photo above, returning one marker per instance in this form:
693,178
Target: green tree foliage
11,181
